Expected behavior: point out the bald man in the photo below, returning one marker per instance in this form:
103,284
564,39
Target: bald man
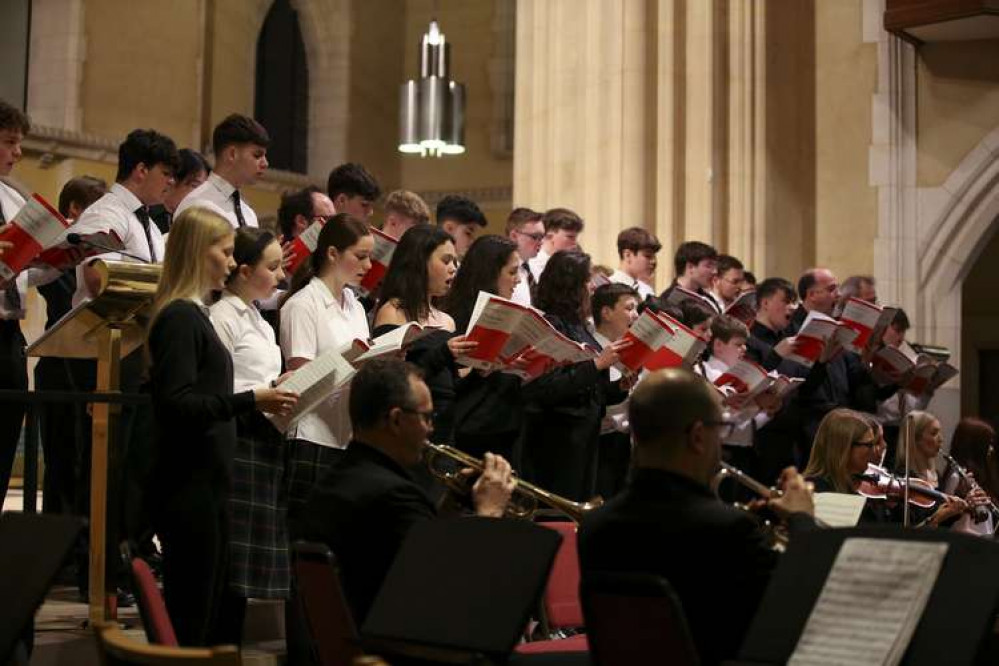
668,522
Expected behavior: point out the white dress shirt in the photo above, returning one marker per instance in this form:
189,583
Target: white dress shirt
216,193
11,202
718,301
742,434
522,292
114,213
538,263
644,290
616,416
314,321
256,356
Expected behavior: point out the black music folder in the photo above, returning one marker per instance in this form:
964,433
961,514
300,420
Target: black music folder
461,590
32,550
953,629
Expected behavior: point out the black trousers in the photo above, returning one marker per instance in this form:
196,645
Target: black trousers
613,463
58,434
193,529
13,375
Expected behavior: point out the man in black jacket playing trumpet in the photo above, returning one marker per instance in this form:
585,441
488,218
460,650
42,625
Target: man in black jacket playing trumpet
668,522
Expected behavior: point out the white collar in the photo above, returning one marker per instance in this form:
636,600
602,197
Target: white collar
221,184
325,294
234,301
127,197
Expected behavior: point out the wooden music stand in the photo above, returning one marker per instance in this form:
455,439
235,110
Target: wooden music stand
107,328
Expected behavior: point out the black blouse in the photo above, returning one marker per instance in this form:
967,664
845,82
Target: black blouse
193,401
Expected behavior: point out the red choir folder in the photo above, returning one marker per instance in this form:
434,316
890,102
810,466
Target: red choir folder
746,377
381,257
744,307
304,245
815,334
681,351
647,335
868,320
35,227
917,374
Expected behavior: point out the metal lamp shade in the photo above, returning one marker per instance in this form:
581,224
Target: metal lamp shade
409,100
454,136
433,113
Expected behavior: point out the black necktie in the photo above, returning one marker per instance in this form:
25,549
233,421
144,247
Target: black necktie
238,207
10,291
530,277
143,214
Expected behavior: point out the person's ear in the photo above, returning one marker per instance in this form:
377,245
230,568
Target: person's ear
245,271
332,255
697,437
605,312
395,418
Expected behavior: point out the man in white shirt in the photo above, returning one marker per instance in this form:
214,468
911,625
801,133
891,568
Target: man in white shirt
403,211
728,282
14,125
299,210
240,146
353,190
462,218
636,249
562,229
615,309
526,228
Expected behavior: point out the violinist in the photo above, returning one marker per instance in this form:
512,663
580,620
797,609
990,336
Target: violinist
924,447
844,446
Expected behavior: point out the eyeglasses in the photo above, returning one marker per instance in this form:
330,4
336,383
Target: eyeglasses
427,417
537,237
725,428
867,445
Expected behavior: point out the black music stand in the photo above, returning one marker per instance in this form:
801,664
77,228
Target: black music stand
959,614
32,550
461,590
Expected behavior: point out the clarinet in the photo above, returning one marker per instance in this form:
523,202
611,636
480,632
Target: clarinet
969,479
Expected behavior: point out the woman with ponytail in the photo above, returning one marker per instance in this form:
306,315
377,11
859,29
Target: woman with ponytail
323,314
258,538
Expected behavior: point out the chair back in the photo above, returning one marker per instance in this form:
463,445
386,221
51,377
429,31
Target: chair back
561,601
635,619
152,608
331,625
116,649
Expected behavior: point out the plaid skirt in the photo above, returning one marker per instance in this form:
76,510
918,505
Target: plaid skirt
306,463
258,506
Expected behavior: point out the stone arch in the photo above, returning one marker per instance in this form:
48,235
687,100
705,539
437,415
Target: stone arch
326,36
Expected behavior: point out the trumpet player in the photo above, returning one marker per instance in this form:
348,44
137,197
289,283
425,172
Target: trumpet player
365,505
668,522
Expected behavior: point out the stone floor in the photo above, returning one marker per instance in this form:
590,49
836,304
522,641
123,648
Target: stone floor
62,637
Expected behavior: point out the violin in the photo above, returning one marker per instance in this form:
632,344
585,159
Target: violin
878,483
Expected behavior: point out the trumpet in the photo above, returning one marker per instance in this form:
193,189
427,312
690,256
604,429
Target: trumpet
776,534
526,496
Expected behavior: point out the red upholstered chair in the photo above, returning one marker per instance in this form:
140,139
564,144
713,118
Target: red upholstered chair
635,619
334,634
152,609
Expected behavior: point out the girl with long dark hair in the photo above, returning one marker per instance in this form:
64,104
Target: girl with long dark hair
563,408
488,409
323,314
191,380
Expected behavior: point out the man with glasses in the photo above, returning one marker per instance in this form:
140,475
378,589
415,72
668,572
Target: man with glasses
366,504
669,523
526,228
728,282
298,210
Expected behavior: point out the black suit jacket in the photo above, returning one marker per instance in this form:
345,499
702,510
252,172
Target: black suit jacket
362,509
714,555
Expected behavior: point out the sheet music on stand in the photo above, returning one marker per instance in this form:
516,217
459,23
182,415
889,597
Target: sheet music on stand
839,509
871,603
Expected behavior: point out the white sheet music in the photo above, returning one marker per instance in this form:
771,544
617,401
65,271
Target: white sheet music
314,382
871,603
839,509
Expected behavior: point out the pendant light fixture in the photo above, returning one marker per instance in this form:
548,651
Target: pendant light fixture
432,108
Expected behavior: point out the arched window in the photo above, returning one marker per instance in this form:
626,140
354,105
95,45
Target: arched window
282,94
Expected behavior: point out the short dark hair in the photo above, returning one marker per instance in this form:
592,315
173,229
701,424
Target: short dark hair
562,218
694,312
750,278
238,129
292,205
769,287
12,118
807,280
189,163
692,252
900,322
520,216
607,296
378,387
851,286
636,239
353,180
459,209
147,147
82,191
727,262
725,327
